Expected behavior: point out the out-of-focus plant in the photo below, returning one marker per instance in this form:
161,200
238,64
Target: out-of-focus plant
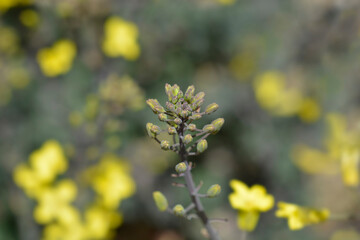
341,153
181,110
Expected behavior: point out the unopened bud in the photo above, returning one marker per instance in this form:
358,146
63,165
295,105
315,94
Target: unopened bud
198,97
148,129
180,167
180,94
177,121
214,191
195,105
160,201
188,138
211,108
168,91
170,106
171,130
155,106
162,117
189,93
165,145
195,116
191,127
209,128
218,123
202,146
155,129
179,210
184,113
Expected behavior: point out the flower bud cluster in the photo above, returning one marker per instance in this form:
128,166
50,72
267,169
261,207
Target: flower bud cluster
179,112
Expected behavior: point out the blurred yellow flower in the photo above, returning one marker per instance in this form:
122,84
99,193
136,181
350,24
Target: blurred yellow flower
111,180
243,65
54,204
121,39
29,18
273,95
45,164
341,152
18,77
250,202
122,92
57,59
7,4
348,234
309,110
9,41
299,217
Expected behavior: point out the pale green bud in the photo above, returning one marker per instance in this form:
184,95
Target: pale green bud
179,210
162,117
191,127
180,94
170,106
195,105
211,108
180,167
195,116
202,146
198,97
155,129
189,93
160,201
168,91
218,123
188,138
184,113
165,145
148,129
214,191
209,128
171,130
177,121
155,106
175,89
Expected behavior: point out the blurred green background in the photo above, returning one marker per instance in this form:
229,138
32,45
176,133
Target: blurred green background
79,72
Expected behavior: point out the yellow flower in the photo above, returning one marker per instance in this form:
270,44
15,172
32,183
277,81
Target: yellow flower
7,4
121,92
299,217
45,164
309,110
350,167
341,152
111,180
57,59
250,202
226,2
9,41
29,18
273,95
54,204
121,39
99,222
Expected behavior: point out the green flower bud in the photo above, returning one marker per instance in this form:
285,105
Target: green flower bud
177,121
148,129
209,128
188,138
189,93
214,191
165,145
195,116
184,113
195,105
171,130
175,89
191,127
160,201
180,167
198,97
218,123
168,91
202,146
162,117
211,108
155,129
155,106
180,94
179,210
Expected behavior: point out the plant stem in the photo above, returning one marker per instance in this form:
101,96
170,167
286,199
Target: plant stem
190,185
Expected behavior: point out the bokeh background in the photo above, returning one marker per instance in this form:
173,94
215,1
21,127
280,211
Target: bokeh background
75,74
